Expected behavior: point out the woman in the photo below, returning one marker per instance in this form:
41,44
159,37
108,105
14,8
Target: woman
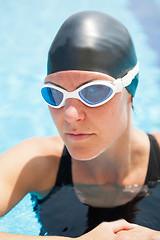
97,169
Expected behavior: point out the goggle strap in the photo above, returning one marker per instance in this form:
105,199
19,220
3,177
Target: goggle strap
127,79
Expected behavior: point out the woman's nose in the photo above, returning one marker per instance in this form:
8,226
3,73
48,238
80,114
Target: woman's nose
73,110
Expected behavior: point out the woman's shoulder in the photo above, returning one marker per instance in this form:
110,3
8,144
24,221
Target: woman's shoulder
34,162
38,147
157,137
46,146
143,138
47,152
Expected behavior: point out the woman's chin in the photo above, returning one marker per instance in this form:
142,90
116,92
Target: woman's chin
84,155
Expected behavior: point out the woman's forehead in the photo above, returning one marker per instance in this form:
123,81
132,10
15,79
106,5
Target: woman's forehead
76,76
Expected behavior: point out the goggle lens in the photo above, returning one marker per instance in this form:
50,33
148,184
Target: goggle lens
95,94
91,95
52,96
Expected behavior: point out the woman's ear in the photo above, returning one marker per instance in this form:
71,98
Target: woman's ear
130,99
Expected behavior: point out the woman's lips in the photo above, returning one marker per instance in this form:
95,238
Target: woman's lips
77,137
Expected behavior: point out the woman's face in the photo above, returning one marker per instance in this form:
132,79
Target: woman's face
88,131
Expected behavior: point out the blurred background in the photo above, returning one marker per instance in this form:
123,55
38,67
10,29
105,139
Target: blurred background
27,28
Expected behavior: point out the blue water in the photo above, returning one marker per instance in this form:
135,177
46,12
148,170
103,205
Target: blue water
27,29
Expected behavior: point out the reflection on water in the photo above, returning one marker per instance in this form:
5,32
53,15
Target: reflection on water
61,213
108,195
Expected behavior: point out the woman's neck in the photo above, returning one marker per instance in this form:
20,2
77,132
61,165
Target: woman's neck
112,165
125,162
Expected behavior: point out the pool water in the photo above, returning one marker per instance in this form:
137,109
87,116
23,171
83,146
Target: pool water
27,30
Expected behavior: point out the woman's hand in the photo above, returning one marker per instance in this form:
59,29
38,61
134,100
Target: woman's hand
106,230
138,232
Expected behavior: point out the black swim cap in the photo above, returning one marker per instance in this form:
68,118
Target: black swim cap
93,41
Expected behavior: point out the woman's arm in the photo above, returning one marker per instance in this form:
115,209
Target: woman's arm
107,230
117,230
31,166
139,232
104,231
9,236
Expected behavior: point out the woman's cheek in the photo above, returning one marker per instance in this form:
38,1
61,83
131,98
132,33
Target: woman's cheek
56,115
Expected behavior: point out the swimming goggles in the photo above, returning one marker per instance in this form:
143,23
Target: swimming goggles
92,94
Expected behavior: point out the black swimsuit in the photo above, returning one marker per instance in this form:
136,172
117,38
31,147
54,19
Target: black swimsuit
153,173
62,214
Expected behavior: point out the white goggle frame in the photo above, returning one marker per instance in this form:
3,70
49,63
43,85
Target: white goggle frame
117,86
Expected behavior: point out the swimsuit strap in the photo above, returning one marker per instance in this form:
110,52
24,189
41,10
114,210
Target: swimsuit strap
153,173
64,176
